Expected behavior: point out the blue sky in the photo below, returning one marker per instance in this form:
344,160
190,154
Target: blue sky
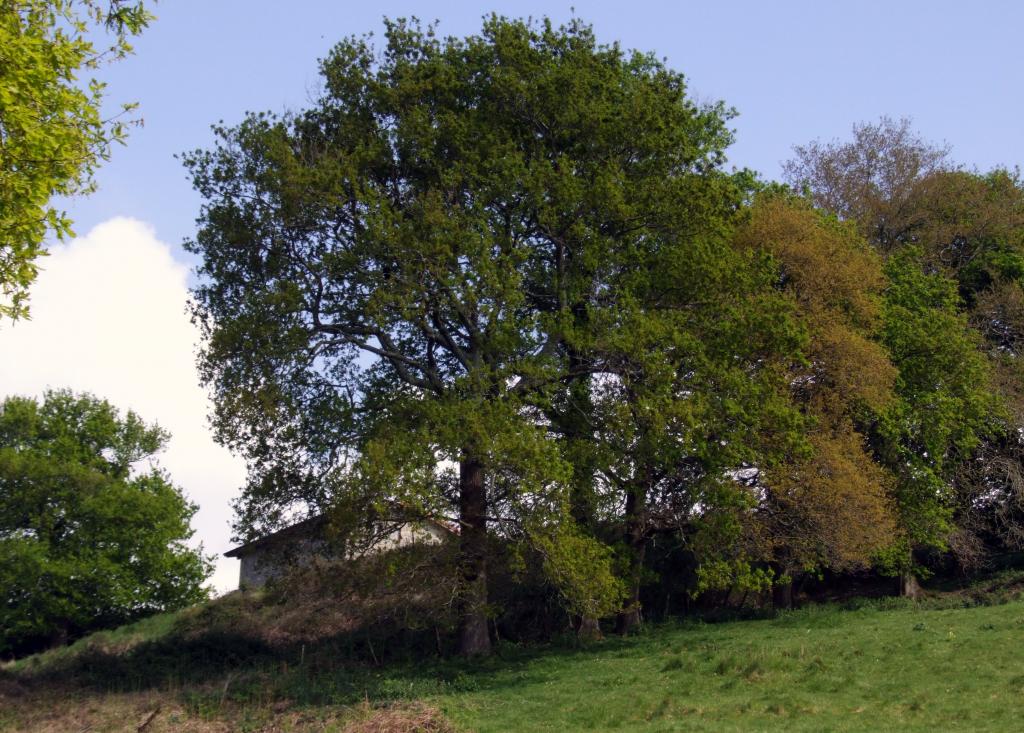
109,312
794,71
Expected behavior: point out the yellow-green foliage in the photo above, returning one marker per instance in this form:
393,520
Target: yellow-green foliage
831,507
580,567
52,131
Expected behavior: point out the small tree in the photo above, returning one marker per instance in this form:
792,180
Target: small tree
90,535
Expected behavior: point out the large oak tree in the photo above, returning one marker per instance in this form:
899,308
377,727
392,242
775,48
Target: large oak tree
420,267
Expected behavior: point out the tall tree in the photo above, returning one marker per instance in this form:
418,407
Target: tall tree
414,269
92,533
946,407
52,130
972,230
829,507
694,392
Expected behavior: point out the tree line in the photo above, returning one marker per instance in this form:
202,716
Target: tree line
509,279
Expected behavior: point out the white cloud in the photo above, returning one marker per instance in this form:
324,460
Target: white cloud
109,317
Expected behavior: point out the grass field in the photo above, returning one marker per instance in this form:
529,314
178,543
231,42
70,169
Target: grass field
813,670
882,665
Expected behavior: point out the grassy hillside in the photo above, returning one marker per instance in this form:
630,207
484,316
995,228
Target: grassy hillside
819,669
880,665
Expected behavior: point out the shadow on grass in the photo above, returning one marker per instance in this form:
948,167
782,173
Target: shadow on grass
218,666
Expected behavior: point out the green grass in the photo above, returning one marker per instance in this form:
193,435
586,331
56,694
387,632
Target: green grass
950,663
813,670
114,641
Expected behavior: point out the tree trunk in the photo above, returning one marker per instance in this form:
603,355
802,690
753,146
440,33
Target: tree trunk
474,638
636,541
630,618
589,629
909,587
61,635
782,593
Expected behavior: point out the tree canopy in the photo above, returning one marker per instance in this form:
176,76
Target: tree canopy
506,280
830,506
953,243
456,238
92,532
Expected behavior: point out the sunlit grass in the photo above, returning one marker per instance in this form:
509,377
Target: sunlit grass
813,670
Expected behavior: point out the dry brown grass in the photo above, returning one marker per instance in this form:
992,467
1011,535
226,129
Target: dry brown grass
156,712
410,718
114,681
412,588
101,714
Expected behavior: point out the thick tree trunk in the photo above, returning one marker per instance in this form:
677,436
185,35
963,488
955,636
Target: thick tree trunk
636,541
589,629
630,618
474,638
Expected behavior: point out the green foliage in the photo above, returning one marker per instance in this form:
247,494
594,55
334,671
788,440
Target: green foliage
51,123
89,538
946,404
737,574
439,258
965,229
581,569
504,280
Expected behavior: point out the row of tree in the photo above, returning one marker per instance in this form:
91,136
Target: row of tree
507,279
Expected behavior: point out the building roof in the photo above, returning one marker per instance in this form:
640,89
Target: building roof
293,532
308,527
